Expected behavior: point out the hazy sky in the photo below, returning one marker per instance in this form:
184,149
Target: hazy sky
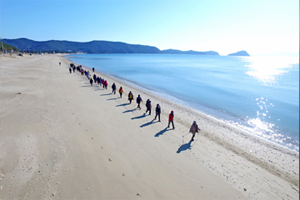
225,26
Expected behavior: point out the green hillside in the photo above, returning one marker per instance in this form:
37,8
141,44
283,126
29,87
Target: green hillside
7,47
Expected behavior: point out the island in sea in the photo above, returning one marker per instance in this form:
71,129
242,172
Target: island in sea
239,53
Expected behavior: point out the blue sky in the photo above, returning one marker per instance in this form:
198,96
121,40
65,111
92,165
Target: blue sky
258,26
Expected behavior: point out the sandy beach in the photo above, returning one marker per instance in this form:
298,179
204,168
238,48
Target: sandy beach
61,138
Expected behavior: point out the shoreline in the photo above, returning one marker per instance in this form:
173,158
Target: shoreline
69,131
243,124
246,133
230,137
155,94
239,127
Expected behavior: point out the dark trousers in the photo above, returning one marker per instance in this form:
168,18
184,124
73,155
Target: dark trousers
157,114
148,109
172,124
193,136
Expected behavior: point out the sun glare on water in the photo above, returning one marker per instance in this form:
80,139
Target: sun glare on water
267,69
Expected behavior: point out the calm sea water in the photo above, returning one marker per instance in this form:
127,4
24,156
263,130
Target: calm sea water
257,94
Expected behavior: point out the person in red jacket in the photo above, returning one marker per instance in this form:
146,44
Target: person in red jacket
105,84
171,119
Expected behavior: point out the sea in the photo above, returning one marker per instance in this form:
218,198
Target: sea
259,95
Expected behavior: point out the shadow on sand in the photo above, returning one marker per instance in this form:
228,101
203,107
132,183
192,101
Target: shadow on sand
148,123
98,88
112,98
162,132
126,111
139,117
184,147
124,104
105,94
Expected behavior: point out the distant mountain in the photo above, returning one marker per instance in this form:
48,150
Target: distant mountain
174,51
24,44
239,53
93,47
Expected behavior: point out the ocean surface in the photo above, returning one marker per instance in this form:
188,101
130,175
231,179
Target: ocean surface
257,94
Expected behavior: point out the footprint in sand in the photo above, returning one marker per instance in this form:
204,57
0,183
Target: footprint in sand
1,177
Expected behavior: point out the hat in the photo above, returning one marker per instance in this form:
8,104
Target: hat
194,122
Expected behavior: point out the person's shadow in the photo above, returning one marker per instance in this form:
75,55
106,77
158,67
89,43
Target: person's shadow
184,147
161,132
138,117
124,104
148,123
105,94
126,111
112,99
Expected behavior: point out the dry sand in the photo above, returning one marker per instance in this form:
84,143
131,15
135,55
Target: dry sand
60,138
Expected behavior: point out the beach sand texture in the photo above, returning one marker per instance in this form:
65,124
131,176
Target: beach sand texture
61,138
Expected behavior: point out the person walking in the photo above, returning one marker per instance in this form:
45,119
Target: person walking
158,111
105,84
148,106
138,101
171,119
95,78
121,92
130,97
100,81
114,87
91,81
194,129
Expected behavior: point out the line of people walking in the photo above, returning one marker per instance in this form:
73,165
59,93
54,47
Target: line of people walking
149,108
100,81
